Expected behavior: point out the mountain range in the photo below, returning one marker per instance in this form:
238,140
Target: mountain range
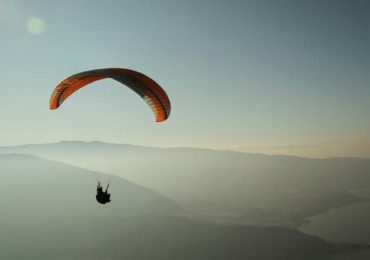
223,186
48,211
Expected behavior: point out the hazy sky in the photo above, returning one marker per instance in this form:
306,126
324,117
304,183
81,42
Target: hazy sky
261,76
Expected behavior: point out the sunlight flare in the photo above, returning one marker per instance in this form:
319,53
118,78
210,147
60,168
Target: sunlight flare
35,25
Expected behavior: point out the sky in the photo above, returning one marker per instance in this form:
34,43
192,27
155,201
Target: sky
275,77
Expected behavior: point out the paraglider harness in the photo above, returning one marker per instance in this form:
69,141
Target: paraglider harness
102,196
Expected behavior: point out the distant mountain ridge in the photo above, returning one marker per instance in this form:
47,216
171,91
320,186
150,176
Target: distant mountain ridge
121,145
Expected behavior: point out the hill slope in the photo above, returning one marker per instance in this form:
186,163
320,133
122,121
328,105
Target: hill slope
32,185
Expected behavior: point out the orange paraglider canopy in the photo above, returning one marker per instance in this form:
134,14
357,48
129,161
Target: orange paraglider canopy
152,93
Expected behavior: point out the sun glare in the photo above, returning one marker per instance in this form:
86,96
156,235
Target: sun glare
35,25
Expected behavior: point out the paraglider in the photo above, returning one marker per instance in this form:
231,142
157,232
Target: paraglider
152,93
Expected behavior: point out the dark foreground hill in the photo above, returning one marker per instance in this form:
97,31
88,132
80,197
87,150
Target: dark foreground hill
157,238
182,239
224,186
